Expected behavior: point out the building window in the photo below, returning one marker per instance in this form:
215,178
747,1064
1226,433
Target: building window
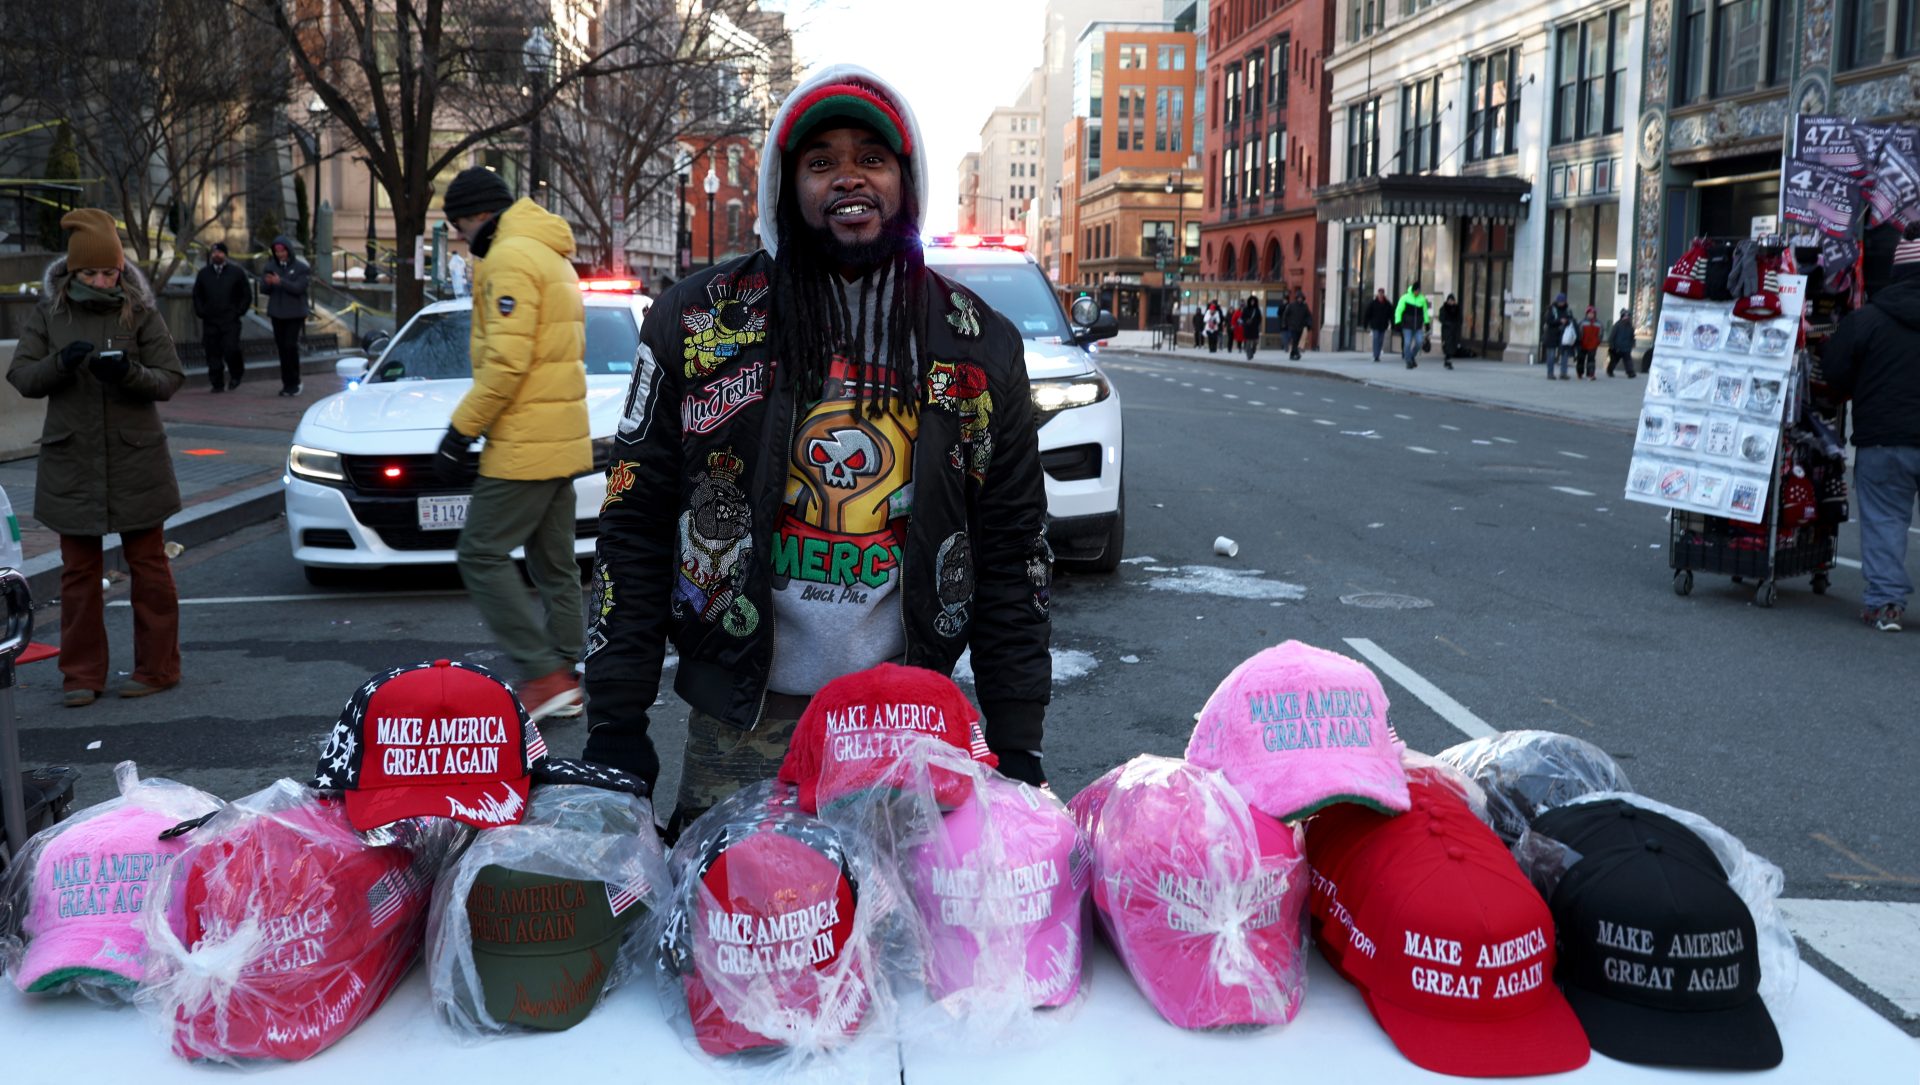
1420,126
1227,177
733,166
1877,31
1418,246
1172,58
1415,7
1493,105
1256,85
1590,84
1276,160
1363,140
1735,46
1279,67
1151,234
1364,17
1582,258
1130,129
1232,96
1133,57
733,224
1252,162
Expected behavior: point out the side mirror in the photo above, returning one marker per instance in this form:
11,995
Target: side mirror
1103,325
350,368
1085,311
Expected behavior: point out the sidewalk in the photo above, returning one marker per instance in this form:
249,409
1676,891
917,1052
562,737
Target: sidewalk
1610,402
228,453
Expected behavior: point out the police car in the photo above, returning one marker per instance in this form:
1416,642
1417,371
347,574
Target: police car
1075,406
360,487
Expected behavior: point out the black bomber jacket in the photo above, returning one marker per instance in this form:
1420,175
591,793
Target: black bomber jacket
695,489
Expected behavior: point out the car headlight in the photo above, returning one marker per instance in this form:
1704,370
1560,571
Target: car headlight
1051,396
317,464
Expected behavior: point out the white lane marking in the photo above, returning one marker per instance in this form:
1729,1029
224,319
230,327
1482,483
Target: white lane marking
1209,391
1323,422
1299,393
1572,455
1573,492
1506,440
1255,403
1455,429
1478,441
1186,384
1422,451
1875,941
1404,417
1361,407
1271,388
242,600
1429,694
1848,562
1229,395
1325,399
1288,410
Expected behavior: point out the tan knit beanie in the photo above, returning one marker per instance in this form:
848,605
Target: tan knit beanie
95,242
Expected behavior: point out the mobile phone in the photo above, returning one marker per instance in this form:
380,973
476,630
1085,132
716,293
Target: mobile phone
112,355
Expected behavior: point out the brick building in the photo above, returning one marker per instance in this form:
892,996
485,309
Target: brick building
1266,147
735,160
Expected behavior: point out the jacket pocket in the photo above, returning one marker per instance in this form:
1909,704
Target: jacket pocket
142,438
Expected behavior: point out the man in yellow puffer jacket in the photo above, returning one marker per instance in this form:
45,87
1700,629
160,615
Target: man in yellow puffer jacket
529,400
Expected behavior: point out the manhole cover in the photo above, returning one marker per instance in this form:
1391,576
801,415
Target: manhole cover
1382,600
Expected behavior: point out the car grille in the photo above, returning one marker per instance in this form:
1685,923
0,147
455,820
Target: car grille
1073,463
368,475
326,538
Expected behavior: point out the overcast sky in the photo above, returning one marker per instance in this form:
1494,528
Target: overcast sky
954,61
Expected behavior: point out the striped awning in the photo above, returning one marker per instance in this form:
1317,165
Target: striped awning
1409,199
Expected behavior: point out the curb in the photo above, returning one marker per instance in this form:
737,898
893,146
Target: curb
192,526
1307,371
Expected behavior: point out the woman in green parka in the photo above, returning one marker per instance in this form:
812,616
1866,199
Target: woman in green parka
97,350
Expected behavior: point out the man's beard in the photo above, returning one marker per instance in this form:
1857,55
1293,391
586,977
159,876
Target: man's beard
864,256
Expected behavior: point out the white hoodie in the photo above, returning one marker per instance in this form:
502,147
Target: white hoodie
772,160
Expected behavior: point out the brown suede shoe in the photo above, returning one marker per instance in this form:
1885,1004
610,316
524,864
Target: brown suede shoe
130,688
78,698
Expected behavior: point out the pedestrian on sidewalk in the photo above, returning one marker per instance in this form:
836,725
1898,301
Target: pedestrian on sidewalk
457,278
285,282
1213,327
1872,356
1450,321
1294,320
97,350
1620,344
1557,337
1411,315
1199,328
529,400
222,294
882,379
1250,320
1236,329
1379,319
1591,333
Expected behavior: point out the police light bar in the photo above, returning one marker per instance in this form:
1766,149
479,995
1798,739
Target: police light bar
610,286
1016,242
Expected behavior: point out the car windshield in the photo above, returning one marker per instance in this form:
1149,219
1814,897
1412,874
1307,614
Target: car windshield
1018,292
434,346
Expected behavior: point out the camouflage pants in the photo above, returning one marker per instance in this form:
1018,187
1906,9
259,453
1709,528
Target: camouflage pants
721,759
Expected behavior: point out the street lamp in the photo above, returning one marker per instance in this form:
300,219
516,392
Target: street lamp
1177,188
682,241
317,120
537,55
712,185
373,268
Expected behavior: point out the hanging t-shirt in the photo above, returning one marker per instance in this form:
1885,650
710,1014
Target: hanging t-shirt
837,545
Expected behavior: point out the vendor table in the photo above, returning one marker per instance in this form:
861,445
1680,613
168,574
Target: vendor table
1111,1036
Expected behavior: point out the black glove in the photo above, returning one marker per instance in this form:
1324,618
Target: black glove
1022,765
73,354
452,463
109,369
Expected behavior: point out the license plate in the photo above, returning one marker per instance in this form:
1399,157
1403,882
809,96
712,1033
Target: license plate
446,512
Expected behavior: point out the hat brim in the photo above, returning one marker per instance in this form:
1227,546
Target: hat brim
1547,1041
1736,1038
552,992
1281,790
67,955
486,805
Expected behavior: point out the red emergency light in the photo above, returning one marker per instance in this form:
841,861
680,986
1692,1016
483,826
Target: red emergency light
610,286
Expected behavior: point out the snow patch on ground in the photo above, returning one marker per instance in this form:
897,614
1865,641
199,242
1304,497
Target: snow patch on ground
1228,583
1068,664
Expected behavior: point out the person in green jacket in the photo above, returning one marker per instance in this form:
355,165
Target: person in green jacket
1412,317
97,350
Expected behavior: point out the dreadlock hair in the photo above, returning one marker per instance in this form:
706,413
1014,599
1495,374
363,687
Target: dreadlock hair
815,323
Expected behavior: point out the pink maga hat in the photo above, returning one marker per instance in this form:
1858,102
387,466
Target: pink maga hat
1296,727
89,885
1202,896
1000,888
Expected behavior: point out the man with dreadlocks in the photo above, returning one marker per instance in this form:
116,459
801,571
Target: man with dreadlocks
827,461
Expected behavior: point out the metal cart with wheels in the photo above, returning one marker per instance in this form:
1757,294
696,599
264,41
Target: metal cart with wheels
1718,546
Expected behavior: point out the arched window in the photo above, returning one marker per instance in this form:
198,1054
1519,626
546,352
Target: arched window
1273,260
1249,259
1226,262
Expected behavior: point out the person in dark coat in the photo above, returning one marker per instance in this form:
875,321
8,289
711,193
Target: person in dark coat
222,294
1556,345
1294,321
1250,325
97,350
1451,319
1379,318
1199,328
285,280
1620,343
1872,357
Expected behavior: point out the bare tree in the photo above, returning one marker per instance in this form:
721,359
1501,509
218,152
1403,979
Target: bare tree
419,84
160,97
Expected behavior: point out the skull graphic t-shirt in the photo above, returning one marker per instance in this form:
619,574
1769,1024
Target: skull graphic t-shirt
837,546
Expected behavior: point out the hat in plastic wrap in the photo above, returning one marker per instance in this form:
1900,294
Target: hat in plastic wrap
769,935
535,922
854,731
285,929
1296,728
1525,773
80,887
1200,894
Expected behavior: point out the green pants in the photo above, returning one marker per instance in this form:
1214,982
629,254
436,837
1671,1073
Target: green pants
721,759
539,516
